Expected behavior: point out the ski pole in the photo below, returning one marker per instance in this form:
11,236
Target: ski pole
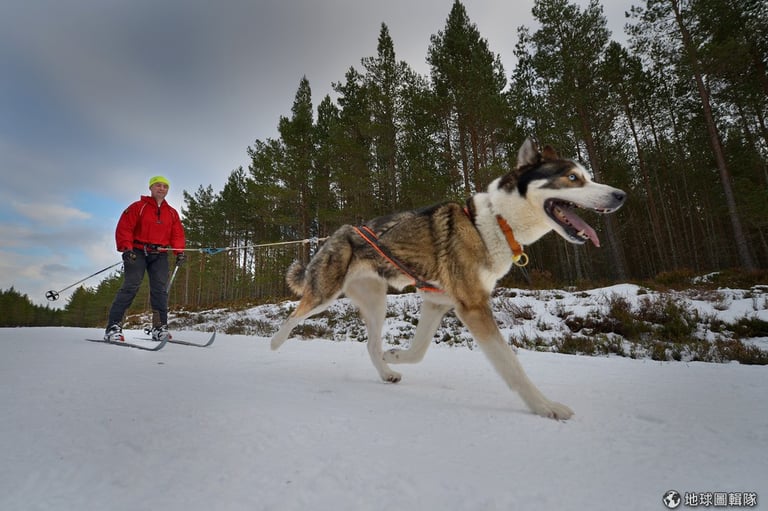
54,295
170,282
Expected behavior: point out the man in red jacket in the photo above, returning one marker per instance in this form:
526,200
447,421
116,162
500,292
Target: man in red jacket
147,231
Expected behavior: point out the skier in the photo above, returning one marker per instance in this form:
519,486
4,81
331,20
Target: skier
144,233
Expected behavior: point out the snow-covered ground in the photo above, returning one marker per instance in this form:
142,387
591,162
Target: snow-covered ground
87,426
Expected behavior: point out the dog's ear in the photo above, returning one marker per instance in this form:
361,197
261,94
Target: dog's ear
528,153
549,153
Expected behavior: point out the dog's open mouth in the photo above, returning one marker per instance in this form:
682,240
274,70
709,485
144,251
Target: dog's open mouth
577,230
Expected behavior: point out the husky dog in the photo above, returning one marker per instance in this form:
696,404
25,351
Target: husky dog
454,254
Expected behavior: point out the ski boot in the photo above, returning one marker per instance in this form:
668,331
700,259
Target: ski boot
161,333
114,334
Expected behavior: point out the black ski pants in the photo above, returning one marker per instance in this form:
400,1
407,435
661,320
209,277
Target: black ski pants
156,265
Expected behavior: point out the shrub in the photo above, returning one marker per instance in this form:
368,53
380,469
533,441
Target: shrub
576,345
740,352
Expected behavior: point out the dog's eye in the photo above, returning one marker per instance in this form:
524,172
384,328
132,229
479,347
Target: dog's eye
572,177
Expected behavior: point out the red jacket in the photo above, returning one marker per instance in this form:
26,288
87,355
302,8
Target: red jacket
144,222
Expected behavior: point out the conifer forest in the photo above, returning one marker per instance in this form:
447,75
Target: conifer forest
676,116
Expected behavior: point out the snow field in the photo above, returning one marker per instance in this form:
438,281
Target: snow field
237,427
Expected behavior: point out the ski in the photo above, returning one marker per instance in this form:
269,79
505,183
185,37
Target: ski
184,343
127,344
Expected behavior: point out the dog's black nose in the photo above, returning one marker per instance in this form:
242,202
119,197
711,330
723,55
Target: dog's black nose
619,195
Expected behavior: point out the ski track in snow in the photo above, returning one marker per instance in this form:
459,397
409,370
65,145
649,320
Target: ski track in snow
86,426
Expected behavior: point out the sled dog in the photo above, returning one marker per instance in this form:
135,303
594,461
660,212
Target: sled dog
454,253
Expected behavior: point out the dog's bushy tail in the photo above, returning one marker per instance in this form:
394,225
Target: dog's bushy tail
295,277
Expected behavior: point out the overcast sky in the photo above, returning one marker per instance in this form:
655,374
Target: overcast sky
97,96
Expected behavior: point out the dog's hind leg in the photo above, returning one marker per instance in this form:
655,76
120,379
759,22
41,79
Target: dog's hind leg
431,314
319,284
481,324
308,306
370,296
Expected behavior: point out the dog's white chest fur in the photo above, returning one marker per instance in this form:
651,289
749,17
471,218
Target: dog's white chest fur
526,229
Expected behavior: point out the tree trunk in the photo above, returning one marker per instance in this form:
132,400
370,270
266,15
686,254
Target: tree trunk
655,223
617,255
742,246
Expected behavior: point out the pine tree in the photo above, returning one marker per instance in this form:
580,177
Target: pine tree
204,226
240,215
675,20
327,214
382,81
627,82
296,174
352,146
468,81
566,53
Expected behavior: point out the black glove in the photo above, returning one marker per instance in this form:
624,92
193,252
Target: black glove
129,256
180,258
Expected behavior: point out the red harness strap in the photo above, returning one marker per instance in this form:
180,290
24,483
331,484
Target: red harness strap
370,237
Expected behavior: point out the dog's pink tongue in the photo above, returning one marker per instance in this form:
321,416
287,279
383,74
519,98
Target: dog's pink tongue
581,226
589,231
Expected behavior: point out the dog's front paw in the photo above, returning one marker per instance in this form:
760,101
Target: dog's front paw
553,410
391,376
